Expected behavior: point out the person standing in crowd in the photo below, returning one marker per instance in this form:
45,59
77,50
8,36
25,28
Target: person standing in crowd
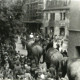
65,53
31,35
58,46
61,43
27,75
42,67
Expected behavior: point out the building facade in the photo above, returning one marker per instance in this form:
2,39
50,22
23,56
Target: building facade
56,17
32,17
74,30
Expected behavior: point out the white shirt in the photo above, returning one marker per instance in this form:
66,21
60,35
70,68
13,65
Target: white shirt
31,36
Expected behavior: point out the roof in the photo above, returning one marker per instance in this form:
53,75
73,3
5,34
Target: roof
57,8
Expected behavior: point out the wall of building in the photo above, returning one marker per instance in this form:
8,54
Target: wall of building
46,18
74,20
44,4
57,23
57,7
74,29
33,13
33,10
74,41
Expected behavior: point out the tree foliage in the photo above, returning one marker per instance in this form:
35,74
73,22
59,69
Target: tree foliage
9,17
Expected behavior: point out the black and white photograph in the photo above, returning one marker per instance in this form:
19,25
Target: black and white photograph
39,39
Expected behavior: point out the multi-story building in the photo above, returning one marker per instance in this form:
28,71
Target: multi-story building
56,17
32,17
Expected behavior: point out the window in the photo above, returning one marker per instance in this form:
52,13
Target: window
62,16
51,29
52,16
47,16
78,50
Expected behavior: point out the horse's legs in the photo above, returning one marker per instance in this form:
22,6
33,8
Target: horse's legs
39,58
48,65
44,57
36,59
57,75
57,70
23,46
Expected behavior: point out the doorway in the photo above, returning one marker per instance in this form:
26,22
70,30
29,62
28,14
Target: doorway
62,31
78,50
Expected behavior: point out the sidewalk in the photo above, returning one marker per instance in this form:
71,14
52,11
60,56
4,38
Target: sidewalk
20,48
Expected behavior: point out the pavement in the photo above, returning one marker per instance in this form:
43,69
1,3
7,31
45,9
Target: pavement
20,48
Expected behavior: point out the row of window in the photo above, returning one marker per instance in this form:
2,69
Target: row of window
34,14
32,6
52,16
57,3
62,30
35,6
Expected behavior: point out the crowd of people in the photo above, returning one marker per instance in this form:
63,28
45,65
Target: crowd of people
48,72
14,65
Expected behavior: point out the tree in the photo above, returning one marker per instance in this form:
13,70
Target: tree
10,17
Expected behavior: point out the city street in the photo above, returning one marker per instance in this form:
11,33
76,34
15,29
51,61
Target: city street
39,40
20,48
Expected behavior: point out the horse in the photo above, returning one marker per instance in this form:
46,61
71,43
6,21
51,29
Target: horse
37,51
29,44
54,58
73,69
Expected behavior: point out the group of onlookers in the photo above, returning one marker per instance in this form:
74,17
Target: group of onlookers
13,65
